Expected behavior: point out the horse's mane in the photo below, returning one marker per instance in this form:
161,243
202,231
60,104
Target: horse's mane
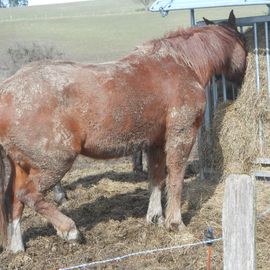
200,48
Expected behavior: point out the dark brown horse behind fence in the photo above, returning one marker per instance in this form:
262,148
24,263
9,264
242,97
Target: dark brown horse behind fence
153,99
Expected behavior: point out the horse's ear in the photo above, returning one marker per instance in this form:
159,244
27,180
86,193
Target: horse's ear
207,22
232,20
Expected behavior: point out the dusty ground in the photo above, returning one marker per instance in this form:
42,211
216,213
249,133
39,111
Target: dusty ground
108,203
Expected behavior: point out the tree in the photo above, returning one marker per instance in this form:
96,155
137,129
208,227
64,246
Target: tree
3,3
16,3
146,3
13,3
23,2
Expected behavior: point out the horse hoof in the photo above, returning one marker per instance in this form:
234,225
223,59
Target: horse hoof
155,219
72,235
60,199
15,248
175,226
138,170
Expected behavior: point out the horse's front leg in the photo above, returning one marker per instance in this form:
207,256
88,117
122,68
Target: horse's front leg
182,127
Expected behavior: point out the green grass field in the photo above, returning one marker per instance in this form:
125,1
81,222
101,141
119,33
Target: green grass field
96,30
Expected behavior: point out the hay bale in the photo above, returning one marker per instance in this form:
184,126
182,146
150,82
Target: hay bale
235,142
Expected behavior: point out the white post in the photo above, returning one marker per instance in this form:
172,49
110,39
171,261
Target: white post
239,223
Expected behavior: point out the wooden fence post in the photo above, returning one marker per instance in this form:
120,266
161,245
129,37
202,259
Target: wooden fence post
239,223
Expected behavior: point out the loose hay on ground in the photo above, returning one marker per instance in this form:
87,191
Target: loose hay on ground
109,207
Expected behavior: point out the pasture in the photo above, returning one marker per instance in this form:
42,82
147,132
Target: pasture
105,198
96,30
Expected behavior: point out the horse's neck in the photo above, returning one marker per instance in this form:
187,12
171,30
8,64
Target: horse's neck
216,61
206,61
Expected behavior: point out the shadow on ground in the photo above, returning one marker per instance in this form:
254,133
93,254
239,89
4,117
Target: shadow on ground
91,180
122,206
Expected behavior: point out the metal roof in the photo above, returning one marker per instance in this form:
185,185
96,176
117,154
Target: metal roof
167,5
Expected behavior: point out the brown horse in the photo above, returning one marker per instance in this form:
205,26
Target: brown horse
153,99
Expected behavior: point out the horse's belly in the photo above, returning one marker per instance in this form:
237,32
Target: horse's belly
123,126
102,150
117,144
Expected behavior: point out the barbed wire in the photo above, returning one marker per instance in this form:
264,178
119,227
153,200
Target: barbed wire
140,253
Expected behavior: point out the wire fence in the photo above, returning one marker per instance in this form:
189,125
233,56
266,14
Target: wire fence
141,253
46,17
260,216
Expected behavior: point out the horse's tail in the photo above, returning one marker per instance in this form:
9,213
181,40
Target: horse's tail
3,205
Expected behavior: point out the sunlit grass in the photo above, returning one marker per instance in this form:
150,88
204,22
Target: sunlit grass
96,30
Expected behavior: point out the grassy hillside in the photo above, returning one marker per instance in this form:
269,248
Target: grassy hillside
95,30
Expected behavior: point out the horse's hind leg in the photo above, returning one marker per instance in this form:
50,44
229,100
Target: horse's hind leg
15,242
137,161
32,195
156,170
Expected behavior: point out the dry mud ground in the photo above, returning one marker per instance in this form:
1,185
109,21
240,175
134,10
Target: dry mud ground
108,203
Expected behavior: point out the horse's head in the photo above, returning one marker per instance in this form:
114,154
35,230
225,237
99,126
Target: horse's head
235,66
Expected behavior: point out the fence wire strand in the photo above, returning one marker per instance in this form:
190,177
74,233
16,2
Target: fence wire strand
140,253
151,251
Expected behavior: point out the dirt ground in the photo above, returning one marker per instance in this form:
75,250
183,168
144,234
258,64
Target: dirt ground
108,202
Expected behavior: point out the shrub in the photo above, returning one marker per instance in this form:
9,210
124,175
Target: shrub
20,55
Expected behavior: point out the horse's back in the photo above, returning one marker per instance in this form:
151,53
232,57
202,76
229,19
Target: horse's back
42,76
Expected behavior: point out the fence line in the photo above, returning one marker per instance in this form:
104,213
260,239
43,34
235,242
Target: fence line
140,253
59,17
157,250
